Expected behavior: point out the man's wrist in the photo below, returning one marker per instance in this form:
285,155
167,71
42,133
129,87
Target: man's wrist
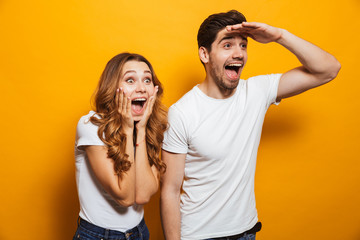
281,40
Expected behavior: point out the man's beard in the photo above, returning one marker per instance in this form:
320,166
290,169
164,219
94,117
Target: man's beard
220,82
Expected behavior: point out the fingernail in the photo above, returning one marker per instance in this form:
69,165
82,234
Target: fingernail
117,90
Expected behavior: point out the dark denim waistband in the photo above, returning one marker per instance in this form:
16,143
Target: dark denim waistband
111,234
253,230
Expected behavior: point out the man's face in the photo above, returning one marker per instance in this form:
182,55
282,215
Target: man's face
227,59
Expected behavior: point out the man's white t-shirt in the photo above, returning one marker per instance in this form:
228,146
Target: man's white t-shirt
96,205
220,138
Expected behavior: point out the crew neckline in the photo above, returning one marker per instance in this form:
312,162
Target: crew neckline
202,94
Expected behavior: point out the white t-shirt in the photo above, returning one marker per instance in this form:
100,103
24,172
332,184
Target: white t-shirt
96,205
220,138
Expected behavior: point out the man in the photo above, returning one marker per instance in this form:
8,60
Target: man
211,145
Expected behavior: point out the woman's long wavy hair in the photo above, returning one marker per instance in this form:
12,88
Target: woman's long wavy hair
109,120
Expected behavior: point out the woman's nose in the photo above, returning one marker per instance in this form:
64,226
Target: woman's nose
140,87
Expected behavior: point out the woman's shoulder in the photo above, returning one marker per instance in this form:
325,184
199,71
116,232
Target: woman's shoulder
85,123
87,132
86,118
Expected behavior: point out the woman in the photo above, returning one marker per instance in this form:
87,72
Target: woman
117,151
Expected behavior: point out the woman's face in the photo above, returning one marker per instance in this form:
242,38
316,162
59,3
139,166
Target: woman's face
137,83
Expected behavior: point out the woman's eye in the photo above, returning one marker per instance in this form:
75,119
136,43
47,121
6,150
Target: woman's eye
243,45
147,80
130,80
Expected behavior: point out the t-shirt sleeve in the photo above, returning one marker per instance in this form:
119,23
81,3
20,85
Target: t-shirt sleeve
273,88
266,86
175,139
86,133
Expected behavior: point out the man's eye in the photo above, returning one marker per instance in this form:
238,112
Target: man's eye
227,45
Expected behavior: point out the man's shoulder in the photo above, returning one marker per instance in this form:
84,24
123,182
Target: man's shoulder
263,81
264,77
186,99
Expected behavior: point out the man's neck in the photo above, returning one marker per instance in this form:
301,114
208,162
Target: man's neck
213,90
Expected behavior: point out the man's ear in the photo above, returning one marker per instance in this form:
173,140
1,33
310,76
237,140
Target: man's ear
204,55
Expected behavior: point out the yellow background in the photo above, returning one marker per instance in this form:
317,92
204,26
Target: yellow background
53,52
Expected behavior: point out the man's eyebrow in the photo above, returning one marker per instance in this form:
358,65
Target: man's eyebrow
226,38
232,36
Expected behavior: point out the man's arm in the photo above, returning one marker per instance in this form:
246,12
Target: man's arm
171,182
318,67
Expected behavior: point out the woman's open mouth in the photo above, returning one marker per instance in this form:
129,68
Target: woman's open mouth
137,104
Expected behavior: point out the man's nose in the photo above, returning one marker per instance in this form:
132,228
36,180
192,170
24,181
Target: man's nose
238,53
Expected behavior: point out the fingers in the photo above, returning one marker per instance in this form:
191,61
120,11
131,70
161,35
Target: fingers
124,108
152,99
148,108
244,26
118,99
127,104
123,102
150,102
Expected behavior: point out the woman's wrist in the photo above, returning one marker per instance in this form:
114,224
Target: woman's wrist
140,136
128,131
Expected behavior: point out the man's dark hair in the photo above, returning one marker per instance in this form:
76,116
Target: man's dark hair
214,23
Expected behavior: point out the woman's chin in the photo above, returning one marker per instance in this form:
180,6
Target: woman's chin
137,118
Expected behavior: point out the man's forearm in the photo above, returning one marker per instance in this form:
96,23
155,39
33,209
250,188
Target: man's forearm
314,59
170,215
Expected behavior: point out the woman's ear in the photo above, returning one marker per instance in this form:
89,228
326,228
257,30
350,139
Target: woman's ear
204,55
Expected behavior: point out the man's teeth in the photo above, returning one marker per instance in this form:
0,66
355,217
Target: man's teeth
235,65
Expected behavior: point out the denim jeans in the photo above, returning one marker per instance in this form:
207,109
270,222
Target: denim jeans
250,236
88,231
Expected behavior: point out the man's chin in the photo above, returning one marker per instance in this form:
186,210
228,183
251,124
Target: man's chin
230,84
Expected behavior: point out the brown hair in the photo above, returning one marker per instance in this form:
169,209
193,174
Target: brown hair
214,23
109,120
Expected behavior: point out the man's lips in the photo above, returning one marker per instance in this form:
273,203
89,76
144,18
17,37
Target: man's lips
232,70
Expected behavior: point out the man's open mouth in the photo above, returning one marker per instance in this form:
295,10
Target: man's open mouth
232,70
137,104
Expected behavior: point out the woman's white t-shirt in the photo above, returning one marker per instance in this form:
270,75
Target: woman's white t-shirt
96,205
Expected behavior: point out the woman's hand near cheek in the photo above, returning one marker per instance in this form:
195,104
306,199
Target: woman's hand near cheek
148,110
124,109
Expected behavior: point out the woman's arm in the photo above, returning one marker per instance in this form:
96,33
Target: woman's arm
147,177
121,188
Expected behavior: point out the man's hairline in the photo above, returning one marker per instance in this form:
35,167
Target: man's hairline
209,49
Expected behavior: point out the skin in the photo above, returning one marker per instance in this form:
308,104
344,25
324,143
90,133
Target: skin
142,180
317,68
227,48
